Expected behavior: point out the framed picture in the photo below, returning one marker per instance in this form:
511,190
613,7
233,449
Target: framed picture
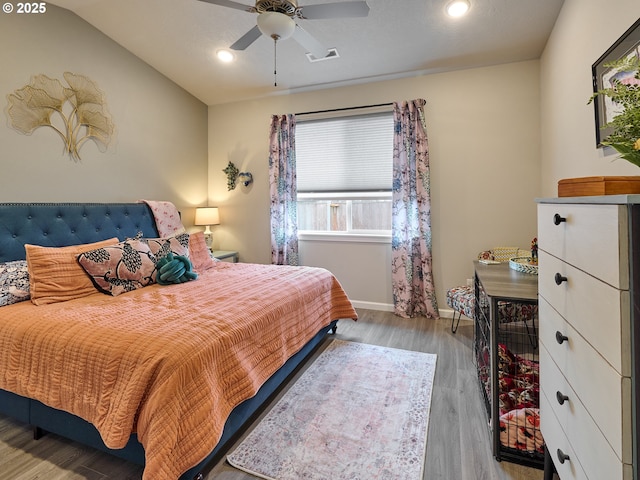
605,109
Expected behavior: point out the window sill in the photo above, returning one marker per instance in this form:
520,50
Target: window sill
344,237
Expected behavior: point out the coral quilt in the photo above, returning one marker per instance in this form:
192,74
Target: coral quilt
164,361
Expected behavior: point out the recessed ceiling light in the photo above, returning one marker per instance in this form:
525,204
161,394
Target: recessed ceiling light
458,8
225,56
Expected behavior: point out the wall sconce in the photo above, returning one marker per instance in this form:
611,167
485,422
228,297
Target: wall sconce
233,174
246,178
207,216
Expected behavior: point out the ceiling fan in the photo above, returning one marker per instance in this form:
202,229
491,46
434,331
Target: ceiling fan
276,20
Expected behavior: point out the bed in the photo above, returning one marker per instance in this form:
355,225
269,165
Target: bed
166,375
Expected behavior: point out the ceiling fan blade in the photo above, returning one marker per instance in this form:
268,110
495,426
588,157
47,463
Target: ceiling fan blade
230,4
247,39
308,42
334,10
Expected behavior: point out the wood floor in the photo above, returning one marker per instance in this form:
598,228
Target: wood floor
458,438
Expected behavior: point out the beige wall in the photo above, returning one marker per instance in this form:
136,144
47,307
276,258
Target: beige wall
160,148
483,127
584,30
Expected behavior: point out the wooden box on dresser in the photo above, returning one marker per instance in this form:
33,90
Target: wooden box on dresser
589,292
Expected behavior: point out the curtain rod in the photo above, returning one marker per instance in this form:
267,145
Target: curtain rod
345,108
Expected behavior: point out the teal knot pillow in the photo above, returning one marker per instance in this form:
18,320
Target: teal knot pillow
174,269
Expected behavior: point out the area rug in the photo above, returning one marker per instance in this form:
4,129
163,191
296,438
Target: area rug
358,412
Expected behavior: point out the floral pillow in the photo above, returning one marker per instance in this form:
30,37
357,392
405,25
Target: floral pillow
120,268
14,282
160,247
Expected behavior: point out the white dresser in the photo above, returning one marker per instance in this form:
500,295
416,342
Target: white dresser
585,283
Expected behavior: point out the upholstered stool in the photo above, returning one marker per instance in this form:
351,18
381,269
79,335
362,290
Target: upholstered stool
462,299
463,302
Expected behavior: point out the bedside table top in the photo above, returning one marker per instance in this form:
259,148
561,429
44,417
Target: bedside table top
220,254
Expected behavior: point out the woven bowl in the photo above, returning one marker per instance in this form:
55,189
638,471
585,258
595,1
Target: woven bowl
523,264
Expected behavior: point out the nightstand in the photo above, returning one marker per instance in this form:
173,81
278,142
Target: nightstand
226,255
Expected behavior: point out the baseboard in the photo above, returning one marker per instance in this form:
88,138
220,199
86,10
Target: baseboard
387,307
383,307
448,313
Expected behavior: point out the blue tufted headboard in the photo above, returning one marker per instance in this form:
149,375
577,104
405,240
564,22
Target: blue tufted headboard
62,224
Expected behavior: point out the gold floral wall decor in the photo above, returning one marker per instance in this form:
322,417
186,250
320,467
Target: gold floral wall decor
77,112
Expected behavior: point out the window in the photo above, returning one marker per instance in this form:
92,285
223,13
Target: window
344,171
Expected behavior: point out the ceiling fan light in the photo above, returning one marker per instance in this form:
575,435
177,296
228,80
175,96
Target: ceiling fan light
276,25
458,8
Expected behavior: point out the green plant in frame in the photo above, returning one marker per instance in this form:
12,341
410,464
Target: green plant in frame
625,92
77,112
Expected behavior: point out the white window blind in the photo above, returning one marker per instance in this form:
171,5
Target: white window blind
345,154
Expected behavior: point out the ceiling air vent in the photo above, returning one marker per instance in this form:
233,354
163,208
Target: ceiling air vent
333,53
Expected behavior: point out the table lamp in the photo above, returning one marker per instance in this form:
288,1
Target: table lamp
207,216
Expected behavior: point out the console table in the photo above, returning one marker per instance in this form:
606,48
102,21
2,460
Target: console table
500,290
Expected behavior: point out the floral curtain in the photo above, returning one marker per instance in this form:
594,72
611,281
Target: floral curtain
282,180
412,276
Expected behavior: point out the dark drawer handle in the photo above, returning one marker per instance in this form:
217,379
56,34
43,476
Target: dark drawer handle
559,279
561,398
557,219
562,457
560,338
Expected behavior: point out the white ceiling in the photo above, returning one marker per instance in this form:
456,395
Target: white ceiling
399,38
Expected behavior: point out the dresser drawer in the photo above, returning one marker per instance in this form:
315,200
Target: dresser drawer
590,447
555,438
604,393
593,238
597,310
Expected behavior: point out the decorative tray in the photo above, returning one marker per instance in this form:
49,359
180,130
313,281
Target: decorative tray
523,264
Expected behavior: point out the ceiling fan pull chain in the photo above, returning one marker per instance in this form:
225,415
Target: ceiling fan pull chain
275,60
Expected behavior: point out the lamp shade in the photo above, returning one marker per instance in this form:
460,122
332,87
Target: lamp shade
207,216
275,24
